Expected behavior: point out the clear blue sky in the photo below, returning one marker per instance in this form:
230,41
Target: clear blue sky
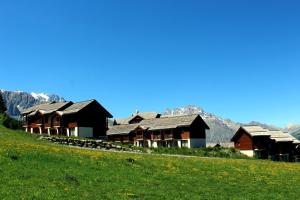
237,59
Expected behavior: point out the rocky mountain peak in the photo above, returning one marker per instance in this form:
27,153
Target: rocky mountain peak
16,101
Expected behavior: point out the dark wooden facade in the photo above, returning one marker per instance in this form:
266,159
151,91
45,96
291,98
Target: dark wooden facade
90,116
62,121
264,146
146,135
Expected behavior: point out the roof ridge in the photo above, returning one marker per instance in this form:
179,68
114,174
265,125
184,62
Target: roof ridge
171,116
85,101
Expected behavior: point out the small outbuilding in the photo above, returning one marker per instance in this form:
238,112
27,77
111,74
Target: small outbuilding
263,143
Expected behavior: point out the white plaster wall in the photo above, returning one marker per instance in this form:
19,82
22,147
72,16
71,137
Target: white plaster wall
179,143
149,143
73,132
85,132
154,144
249,153
198,142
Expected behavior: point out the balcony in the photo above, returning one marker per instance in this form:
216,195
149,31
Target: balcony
56,123
47,125
34,125
139,137
168,136
156,137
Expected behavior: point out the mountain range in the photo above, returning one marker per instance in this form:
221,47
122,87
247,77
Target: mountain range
16,101
221,130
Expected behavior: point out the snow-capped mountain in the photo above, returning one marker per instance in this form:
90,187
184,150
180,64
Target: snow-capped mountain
40,96
16,101
43,97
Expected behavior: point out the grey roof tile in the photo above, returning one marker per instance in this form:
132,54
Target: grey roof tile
155,124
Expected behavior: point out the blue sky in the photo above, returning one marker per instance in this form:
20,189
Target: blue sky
237,59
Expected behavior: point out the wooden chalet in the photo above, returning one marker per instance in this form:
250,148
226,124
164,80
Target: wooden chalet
264,143
152,130
83,119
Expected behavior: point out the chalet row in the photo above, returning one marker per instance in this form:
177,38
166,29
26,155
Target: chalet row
90,119
149,129
265,143
153,130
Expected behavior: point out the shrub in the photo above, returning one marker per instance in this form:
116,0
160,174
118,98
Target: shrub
12,154
71,179
9,122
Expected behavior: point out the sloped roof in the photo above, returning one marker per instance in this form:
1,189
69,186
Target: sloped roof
45,108
144,115
76,107
279,136
156,124
169,122
256,130
122,121
276,135
121,129
148,115
56,107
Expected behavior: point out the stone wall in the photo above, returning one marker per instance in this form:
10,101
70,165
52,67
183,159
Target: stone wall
88,143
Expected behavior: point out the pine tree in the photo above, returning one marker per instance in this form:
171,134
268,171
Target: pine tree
2,104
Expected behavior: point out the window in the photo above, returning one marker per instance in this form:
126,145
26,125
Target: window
72,131
184,143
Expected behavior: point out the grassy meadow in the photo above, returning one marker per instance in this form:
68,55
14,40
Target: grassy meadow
34,169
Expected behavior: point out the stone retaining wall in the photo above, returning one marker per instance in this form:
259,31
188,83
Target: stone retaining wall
87,143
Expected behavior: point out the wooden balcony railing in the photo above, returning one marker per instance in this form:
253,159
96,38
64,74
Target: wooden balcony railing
139,137
168,136
34,125
156,137
47,125
56,123
37,122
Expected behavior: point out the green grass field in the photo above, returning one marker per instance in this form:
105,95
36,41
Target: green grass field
33,169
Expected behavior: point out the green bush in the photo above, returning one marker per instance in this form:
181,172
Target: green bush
9,122
13,154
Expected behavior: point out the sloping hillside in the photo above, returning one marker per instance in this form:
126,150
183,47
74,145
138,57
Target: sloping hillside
34,169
